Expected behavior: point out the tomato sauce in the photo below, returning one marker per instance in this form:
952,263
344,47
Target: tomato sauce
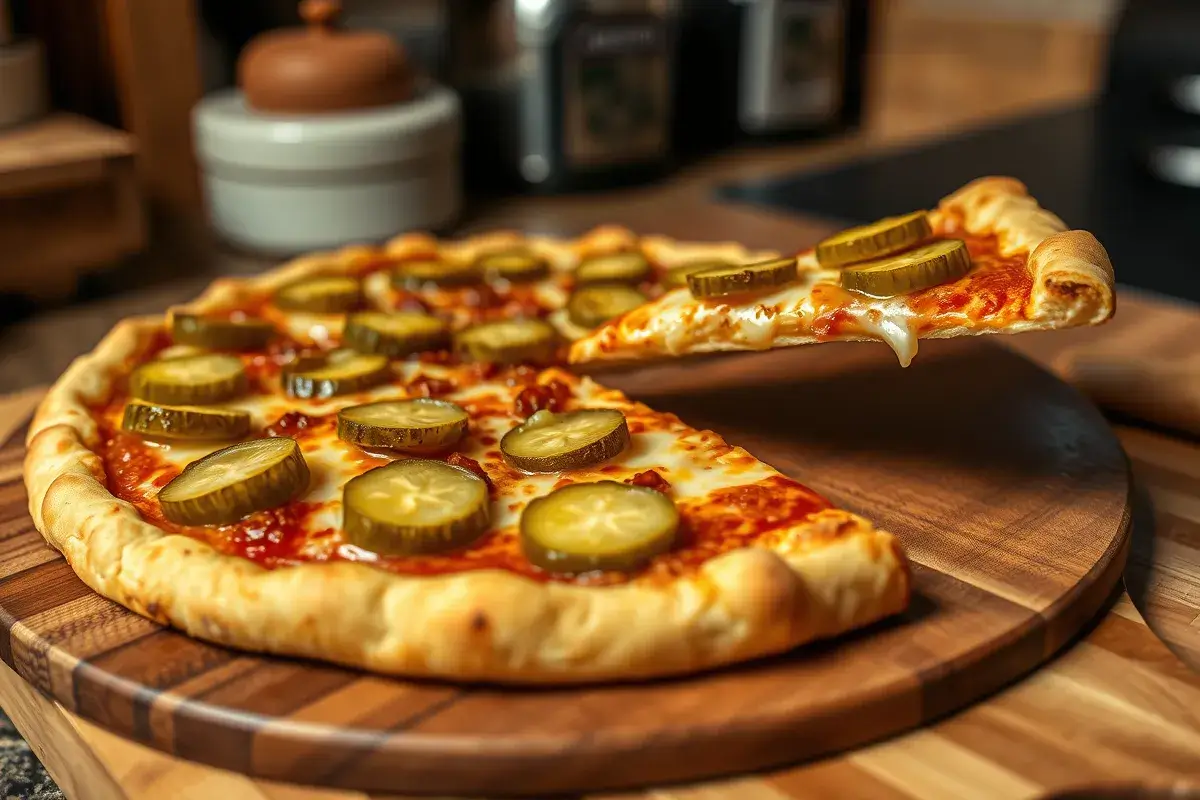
997,283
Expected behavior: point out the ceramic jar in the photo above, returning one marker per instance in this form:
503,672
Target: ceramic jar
328,140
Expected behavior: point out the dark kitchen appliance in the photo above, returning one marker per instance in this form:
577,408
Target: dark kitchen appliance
561,95
769,69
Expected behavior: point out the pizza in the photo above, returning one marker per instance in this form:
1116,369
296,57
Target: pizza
375,457
987,260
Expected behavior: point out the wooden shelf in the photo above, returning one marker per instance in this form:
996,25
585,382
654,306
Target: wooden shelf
69,202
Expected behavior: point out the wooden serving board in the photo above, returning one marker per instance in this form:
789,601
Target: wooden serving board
1009,491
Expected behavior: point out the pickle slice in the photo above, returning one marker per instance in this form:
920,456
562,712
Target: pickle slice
507,342
515,266
439,272
395,335
238,480
592,526
738,278
159,421
189,380
328,294
220,334
882,238
676,277
613,268
550,442
414,506
340,372
937,262
419,425
591,306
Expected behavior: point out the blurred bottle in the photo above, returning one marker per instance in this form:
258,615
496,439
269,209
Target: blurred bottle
769,69
560,95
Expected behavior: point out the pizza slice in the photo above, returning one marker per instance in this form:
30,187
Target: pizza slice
988,260
287,466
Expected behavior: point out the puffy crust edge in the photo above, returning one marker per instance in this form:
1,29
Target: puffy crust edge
1073,280
832,573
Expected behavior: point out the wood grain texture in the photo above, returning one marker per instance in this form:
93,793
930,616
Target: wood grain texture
1006,572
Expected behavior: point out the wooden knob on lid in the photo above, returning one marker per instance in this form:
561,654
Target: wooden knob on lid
321,68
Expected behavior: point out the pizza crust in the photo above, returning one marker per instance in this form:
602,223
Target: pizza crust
832,573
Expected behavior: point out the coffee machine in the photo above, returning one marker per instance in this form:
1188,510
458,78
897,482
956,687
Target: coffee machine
560,95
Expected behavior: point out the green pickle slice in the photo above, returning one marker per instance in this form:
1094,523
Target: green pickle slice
515,266
598,526
435,271
887,236
340,372
550,442
676,277
591,306
740,278
327,294
419,425
396,334
414,506
507,342
613,268
220,334
187,423
937,262
195,380
238,480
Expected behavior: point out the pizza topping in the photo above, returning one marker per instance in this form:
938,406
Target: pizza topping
515,266
676,277
439,272
395,335
419,425
328,294
882,238
551,396
220,334
427,386
736,279
227,485
598,526
937,262
189,380
159,421
339,372
613,268
507,341
592,306
470,465
651,480
415,506
550,442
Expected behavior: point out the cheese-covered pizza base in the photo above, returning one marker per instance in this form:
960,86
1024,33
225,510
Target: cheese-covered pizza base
1030,273
764,565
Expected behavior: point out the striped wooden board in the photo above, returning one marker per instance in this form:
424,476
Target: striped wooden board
1008,490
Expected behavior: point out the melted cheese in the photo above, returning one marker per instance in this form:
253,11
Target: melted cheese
694,462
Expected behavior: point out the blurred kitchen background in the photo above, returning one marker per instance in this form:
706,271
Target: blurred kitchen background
147,146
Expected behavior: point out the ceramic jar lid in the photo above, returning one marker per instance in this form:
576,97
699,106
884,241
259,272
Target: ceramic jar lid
321,69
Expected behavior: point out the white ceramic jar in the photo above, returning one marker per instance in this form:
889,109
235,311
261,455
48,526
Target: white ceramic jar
285,184
329,140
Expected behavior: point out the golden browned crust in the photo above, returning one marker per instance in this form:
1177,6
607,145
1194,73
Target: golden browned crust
830,574
1073,281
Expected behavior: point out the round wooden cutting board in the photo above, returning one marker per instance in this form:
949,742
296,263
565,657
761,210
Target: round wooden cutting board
1008,489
